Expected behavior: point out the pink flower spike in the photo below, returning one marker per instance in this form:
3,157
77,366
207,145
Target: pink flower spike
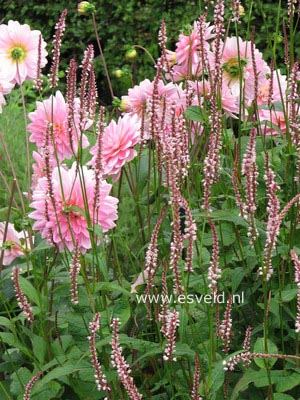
19,47
172,323
22,299
30,385
100,377
297,266
118,361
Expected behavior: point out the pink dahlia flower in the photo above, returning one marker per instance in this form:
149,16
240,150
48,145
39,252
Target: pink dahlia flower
236,49
12,245
188,58
140,96
5,88
19,51
119,139
203,89
67,224
137,97
279,89
273,119
54,111
272,122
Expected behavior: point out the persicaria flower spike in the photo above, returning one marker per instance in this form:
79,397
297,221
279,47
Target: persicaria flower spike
172,323
196,381
225,331
60,28
100,377
22,299
74,271
297,281
118,361
214,271
30,385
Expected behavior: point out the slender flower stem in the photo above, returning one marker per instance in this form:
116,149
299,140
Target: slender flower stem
102,56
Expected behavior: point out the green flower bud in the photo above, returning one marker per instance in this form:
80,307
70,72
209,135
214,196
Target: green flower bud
131,54
85,8
116,102
118,73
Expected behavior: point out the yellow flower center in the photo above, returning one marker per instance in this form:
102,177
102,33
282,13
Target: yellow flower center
18,53
234,65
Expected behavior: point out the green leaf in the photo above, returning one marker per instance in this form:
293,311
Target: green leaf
218,376
23,375
194,113
29,291
6,323
12,341
259,378
237,277
280,396
43,245
288,382
45,392
121,310
286,295
39,347
259,347
60,372
277,106
112,287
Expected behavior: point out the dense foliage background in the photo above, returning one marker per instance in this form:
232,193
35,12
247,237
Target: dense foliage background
124,23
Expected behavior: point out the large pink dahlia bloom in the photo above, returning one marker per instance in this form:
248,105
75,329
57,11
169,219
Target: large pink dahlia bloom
12,245
66,224
54,112
119,139
19,51
237,55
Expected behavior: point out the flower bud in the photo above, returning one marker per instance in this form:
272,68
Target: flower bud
116,102
85,8
131,54
118,73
